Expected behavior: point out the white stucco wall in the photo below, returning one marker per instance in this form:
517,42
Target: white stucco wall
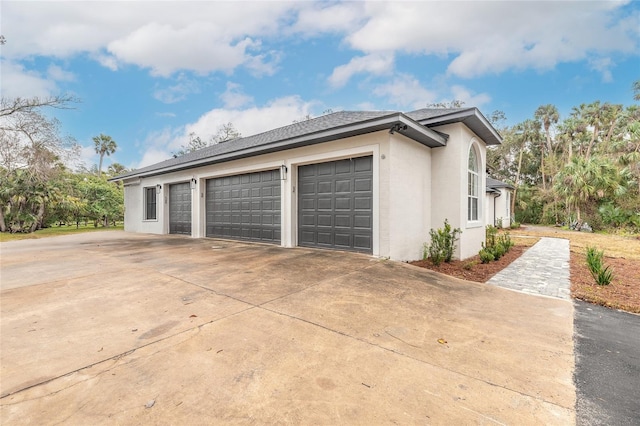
449,188
370,144
488,203
409,197
415,189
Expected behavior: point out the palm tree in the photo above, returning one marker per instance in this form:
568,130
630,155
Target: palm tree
116,169
588,179
548,115
104,145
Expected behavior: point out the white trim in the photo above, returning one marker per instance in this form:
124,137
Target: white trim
477,222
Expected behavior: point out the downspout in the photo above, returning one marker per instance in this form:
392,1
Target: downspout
494,208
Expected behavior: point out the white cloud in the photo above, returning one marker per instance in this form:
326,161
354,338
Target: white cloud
158,146
374,64
163,36
56,73
151,156
252,120
233,97
317,18
184,86
18,82
405,91
476,38
603,66
463,94
492,37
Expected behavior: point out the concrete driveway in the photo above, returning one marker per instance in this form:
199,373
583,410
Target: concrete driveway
112,327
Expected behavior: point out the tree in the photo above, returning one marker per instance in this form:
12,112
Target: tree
446,105
588,179
17,106
636,90
548,115
116,169
226,132
104,145
32,154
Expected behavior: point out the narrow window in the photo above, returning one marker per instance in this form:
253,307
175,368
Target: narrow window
150,203
473,186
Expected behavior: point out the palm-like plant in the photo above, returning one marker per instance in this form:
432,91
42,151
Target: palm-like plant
548,115
585,179
104,145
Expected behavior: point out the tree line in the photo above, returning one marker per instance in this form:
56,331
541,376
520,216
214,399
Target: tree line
581,168
37,189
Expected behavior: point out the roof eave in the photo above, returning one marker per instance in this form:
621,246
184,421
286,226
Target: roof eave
413,130
473,119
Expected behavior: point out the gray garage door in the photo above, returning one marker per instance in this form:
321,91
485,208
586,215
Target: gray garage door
180,208
245,207
335,204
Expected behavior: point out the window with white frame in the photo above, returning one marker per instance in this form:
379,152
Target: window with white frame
150,204
473,186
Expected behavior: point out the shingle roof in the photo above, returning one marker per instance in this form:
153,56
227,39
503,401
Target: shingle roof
317,130
495,183
471,117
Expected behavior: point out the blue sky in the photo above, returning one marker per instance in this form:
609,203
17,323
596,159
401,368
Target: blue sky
151,72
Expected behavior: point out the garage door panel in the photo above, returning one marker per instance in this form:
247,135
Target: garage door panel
325,204
342,214
363,164
252,201
343,186
362,242
180,208
363,184
325,187
343,167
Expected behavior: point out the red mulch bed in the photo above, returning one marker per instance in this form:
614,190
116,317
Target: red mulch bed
623,292
472,269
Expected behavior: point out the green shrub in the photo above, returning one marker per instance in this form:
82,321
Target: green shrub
443,243
498,251
490,236
505,241
515,225
594,260
469,265
486,255
601,274
604,276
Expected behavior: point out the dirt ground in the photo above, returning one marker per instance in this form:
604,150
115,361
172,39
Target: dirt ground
620,252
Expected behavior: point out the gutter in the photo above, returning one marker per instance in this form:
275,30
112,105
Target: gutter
410,128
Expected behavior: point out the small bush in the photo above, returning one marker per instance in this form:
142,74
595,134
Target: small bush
505,241
469,265
604,276
443,243
515,225
490,235
498,251
486,255
601,274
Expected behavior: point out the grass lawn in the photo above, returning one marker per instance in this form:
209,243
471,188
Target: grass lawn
55,231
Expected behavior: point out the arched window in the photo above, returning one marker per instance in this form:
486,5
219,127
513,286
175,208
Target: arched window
473,200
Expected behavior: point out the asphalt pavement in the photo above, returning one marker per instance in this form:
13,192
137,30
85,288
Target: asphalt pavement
607,372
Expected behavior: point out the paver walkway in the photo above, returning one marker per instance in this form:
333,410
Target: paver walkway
541,270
